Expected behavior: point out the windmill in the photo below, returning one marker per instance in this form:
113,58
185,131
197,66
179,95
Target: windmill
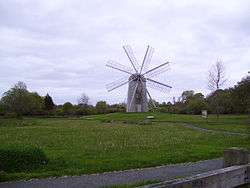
138,80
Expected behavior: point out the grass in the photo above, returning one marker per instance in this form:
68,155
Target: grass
232,123
111,142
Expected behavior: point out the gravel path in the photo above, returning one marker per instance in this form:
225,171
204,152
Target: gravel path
210,130
120,177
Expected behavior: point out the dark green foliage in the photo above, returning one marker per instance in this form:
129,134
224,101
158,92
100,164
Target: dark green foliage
48,103
228,101
20,101
3,176
241,96
195,104
2,109
220,102
16,99
21,158
81,110
189,103
101,107
117,108
35,104
67,108
187,95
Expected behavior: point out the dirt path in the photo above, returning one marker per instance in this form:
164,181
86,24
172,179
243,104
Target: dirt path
121,177
216,131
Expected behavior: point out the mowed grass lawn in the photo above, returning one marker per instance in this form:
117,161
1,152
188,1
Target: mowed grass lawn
119,141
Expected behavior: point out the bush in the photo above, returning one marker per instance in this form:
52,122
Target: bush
11,115
3,176
18,159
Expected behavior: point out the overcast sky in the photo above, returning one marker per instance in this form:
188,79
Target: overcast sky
61,47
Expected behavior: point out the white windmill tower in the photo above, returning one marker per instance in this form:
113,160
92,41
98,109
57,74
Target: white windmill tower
139,79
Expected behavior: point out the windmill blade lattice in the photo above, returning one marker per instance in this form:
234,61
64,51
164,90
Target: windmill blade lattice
158,71
115,65
118,83
129,52
151,99
147,59
155,69
158,85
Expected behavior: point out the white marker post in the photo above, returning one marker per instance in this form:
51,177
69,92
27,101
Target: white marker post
204,114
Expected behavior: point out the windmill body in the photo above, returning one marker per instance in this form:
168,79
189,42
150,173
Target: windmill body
138,80
137,102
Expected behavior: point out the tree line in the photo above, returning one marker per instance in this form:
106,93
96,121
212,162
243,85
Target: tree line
18,101
234,100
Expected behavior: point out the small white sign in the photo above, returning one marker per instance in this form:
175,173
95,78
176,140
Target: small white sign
150,117
204,113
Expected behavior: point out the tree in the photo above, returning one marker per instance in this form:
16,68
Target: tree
196,104
241,96
16,99
186,95
48,103
220,101
101,107
216,79
36,104
2,110
67,108
83,100
121,107
20,101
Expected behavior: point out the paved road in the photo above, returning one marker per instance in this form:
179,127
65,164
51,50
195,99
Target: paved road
121,177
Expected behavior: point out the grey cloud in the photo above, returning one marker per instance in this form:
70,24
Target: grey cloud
61,47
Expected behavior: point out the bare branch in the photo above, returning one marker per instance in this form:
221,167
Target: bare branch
216,76
83,100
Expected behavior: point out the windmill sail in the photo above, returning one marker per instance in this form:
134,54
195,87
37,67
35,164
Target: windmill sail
118,83
118,66
147,59
129,52
138,78
158,85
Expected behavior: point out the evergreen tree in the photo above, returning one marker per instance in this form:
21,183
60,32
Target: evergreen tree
48,102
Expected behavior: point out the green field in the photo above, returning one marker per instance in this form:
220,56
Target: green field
120,141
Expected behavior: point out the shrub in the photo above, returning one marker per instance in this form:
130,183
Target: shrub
3,176
18,159
12,115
